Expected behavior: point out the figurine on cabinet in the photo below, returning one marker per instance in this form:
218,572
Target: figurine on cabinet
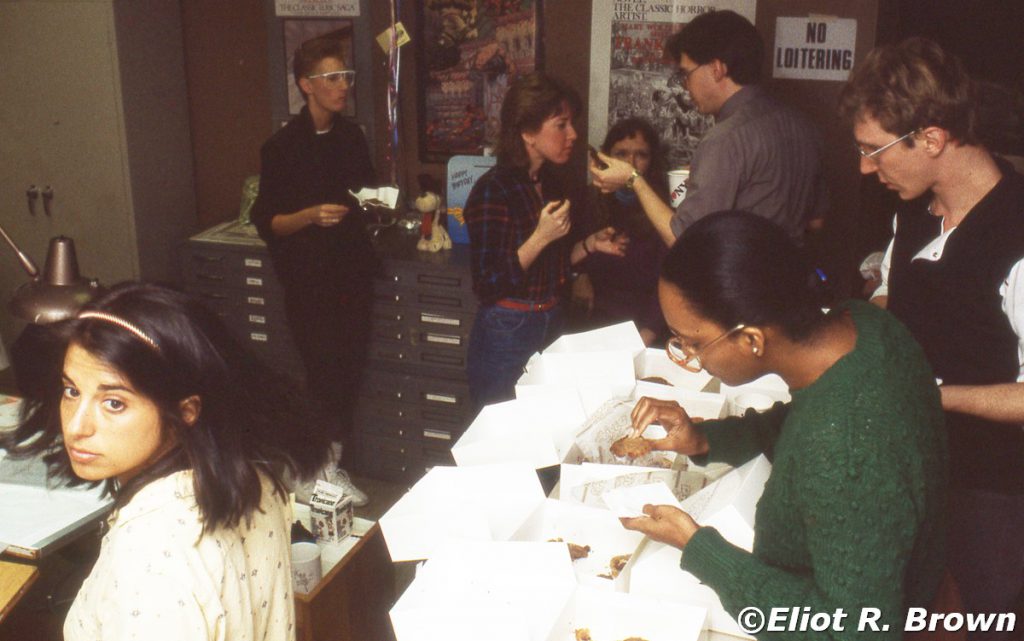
433,236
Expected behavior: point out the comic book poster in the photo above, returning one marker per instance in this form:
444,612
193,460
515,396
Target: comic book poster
470,52
630,76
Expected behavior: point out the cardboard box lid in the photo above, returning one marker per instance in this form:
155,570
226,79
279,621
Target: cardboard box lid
573,523
498,590
481,502
619,337
535,431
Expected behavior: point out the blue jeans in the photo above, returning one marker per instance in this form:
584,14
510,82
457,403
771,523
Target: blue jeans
501,342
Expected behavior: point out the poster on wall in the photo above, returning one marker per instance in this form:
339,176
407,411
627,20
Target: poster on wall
316,8
814,48
629,76
469,52
298,31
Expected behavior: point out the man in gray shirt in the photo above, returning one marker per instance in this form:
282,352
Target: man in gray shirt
761,156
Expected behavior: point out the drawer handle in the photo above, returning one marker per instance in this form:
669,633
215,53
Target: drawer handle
434,279
442,359
398,395
441,398
401,414
401,432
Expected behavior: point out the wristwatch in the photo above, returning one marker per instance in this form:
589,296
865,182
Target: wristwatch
632,179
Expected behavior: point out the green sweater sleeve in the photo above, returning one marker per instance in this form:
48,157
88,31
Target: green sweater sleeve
736,440
859,526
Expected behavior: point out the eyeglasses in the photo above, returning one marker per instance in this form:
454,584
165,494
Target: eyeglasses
684,75
691,362
873,155
334,78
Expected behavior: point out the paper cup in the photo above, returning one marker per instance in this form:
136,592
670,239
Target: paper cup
677,185
756,401
306,571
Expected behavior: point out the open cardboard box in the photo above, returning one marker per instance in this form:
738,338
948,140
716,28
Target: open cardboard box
655,363
509,591
585,526
594,376
770,385
535,431
730,503
480,502
654,572
619,337
613,616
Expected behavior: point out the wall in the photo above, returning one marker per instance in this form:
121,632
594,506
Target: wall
227,54
226,62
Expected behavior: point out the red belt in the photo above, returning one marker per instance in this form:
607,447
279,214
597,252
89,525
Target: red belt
527,306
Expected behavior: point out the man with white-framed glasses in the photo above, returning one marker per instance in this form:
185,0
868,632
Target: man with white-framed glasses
954,274
317,239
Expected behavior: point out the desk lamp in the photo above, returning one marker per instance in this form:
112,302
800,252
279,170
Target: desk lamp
59,292
56,294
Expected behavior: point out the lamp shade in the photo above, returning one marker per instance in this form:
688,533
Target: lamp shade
60,292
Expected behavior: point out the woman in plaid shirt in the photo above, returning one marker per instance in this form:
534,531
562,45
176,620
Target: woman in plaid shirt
519,220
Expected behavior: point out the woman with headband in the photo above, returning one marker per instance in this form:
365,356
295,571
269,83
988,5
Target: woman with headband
192,437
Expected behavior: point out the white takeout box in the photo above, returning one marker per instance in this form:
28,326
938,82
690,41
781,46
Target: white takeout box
536,431
770,385
654,572
730,503
614,615
594,374
510,591
582,525
480,502
591,396
619,337
655,362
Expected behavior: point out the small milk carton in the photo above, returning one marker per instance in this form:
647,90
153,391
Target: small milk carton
330,511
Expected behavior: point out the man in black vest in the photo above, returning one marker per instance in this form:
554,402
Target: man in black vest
953,274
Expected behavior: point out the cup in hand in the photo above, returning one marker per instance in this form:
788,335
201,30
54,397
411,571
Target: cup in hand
677,185
306,571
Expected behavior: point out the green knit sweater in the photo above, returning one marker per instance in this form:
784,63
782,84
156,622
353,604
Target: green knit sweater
853,515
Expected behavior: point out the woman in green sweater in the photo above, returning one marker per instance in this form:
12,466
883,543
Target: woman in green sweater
853,514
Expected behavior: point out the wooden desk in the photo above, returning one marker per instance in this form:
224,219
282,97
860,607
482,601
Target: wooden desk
351,603
15,580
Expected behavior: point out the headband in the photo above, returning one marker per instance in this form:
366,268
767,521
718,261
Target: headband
123,324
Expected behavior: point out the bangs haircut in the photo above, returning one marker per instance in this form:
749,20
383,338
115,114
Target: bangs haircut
530,101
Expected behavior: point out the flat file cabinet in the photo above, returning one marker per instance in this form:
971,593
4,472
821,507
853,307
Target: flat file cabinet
228,267
414,400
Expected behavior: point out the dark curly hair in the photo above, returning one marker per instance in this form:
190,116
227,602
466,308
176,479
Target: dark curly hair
251,420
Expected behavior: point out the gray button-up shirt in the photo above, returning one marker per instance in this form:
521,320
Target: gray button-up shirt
761,156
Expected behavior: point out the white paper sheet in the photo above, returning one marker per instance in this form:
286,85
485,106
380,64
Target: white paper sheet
628,502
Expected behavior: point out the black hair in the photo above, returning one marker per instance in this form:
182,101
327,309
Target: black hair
722,35
735,267
530,101
251,421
